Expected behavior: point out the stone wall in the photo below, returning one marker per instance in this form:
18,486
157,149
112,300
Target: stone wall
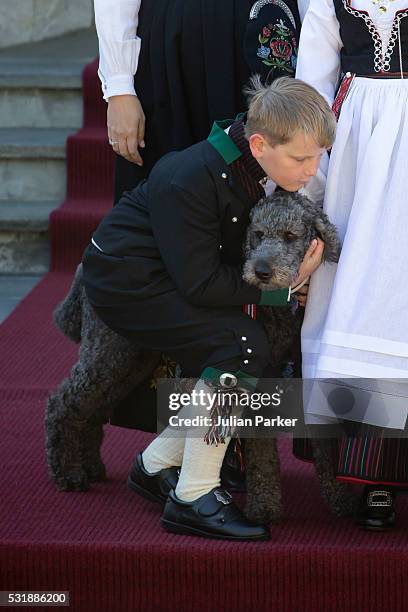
24,21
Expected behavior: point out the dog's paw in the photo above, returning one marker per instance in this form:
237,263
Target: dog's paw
78,481
270,511
341,498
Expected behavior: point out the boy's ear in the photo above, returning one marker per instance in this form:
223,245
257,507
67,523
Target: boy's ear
256,145
328,233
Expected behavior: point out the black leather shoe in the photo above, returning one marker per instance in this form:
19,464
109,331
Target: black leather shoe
154,487
232,476
376,511
213,515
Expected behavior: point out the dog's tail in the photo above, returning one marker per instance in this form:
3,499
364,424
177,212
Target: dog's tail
68,314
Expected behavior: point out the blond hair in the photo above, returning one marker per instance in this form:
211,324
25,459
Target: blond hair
286,107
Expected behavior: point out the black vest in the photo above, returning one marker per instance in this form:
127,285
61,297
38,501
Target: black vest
358,53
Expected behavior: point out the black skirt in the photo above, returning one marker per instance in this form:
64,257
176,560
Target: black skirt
196,58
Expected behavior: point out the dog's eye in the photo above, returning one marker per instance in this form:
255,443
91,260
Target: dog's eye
289,236
259,234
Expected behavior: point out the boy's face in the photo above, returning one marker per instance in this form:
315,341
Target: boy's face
289,165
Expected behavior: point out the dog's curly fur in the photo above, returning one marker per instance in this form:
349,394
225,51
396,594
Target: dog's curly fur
108,366
280,232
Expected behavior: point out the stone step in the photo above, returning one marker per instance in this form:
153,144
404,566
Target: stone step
41,83
44,75
40,108
24,239
12,290
25,216
40,96
33,143
32,164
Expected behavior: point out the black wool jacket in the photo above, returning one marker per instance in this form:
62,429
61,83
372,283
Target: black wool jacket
182,230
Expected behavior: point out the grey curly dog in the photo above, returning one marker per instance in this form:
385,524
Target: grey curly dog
281,229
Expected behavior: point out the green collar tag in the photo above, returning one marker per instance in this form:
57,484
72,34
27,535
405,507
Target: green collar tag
222,142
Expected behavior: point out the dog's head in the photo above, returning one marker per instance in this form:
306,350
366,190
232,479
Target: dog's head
281,229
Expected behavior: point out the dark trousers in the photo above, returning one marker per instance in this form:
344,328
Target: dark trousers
194,337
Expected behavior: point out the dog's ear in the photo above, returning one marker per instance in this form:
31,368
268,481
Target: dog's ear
328,233
257,206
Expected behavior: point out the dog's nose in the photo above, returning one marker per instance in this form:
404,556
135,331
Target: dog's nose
263,271
263,276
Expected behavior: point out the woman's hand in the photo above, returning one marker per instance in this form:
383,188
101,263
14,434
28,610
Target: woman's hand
126,127
311,261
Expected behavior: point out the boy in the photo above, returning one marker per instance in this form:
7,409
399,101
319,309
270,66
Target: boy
164,270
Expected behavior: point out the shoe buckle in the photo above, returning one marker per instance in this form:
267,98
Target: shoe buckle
223,496
376,499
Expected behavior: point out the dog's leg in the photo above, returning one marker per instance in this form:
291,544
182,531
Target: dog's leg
264,497
91,437
63,432
105,361
341,498
142,364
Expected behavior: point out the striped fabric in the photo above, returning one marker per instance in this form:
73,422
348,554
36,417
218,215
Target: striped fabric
246,169
250,310
370,457
248,173
373,457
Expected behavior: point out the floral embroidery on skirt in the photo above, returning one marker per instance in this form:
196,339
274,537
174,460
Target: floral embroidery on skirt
278,46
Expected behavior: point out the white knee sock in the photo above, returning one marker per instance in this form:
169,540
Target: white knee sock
200,471
201,463
165,451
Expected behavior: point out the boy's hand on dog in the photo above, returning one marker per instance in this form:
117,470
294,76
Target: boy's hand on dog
310,263
301,295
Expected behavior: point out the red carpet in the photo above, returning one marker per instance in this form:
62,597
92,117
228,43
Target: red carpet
105,546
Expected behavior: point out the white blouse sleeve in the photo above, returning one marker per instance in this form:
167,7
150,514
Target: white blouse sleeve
319,65
119,47
319,48
303,5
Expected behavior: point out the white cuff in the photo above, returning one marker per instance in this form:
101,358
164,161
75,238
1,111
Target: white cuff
294,289
119,85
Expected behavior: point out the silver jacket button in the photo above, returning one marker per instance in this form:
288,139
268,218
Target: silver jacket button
224,175
234,219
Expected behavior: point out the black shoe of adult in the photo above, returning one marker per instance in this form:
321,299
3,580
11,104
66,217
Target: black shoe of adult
213,515
154,487
376,510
